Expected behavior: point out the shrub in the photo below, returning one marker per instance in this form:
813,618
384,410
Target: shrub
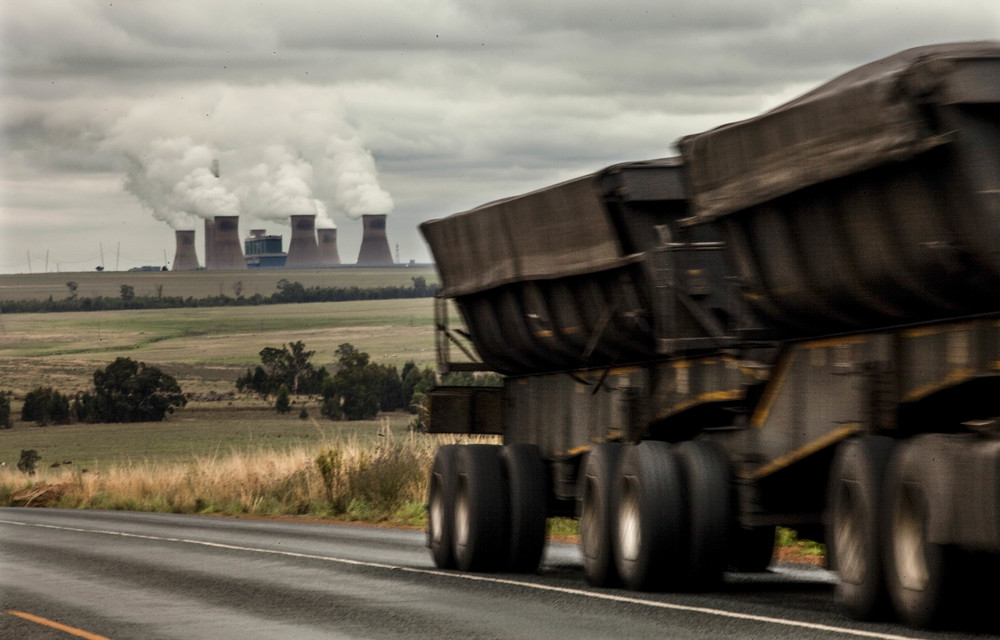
29,458
282,404
371,483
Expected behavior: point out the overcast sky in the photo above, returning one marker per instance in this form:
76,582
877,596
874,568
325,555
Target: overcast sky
113,110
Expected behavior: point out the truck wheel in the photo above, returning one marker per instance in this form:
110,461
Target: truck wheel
649,553
751,548
854,499
480,509
916,570
597,483
526,484
705,468
441,507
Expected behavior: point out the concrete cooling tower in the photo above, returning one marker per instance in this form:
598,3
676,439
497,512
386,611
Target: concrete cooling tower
374,245
185,258
302,250
328,253
226,250
209,243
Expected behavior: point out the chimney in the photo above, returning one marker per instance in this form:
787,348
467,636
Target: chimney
302,250
374,244
210,243
328,253
226,250
185,258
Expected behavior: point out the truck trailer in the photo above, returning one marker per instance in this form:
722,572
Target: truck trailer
795,322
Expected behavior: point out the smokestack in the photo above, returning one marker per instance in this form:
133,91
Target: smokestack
210,243
328,253
302,249
226,250
185,258
374,244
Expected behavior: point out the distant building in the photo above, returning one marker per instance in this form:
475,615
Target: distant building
263,251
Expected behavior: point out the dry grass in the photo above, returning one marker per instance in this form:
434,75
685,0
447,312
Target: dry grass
379,481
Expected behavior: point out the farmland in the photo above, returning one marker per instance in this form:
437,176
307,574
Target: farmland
206,349
200,284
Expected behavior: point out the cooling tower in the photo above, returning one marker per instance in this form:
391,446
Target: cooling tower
302,250
374,244
328,253
210,243
226,250
185,258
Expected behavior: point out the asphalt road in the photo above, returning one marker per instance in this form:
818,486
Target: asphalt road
122,575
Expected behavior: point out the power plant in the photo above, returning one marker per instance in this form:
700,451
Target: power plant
185,258
328,254
227,254
308,247
302,250
374,245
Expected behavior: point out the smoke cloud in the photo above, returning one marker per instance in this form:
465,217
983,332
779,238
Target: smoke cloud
279,154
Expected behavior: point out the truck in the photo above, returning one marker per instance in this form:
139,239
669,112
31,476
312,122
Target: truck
794,323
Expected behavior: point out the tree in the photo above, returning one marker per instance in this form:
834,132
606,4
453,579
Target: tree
130,391
354,390
288,366
45,405
127,293
419,286
73,287
5,422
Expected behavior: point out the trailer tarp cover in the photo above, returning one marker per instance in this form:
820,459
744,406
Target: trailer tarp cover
875,114
554,232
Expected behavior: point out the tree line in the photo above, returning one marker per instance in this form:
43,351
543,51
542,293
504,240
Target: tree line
358,389
287,292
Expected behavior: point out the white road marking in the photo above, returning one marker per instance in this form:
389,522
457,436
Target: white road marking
494,580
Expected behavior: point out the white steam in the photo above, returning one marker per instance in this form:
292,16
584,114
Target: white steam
280,154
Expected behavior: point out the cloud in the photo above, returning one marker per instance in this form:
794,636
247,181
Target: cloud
425,107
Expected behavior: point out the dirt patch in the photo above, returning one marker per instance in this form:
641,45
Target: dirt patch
45,495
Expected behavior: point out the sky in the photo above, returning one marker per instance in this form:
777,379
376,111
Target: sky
113,111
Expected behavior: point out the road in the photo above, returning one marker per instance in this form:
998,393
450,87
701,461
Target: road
124,575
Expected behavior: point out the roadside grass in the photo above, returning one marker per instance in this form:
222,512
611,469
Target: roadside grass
200,431
378,477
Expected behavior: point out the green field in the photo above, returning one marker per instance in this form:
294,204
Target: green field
205,348
199,431
201,284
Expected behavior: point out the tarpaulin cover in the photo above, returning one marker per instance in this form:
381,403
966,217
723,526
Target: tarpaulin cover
875,114
555,232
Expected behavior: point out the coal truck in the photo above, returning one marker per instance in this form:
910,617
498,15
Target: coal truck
795,322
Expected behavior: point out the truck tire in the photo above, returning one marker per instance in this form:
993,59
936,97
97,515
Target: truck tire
526,484
916,570
751,548
650,532
706,484
481,518
441,507
853,530
597,512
